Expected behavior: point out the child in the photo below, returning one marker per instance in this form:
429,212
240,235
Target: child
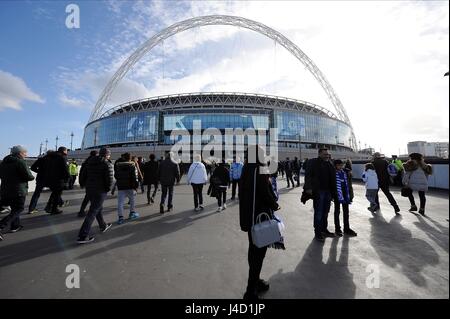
371,180
343,197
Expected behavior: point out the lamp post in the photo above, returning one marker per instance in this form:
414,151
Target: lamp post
46,142
40,149
71,141
56,145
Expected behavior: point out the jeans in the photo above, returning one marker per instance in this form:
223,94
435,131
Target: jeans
221,195
17,205
386,191
422,199
95,212
72,180
255,262
149,188
371,195
321,203
234,183
84,204
198,195
337,212
121,195
36,195
164,190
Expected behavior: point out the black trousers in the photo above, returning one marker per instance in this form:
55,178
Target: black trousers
387,193
95,212
337,212
422,199
17,205
255,262
289,179
72,180
164,190
198,194
55,198
234,183
221,195
149,188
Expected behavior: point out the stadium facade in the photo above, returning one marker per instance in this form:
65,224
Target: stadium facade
145,126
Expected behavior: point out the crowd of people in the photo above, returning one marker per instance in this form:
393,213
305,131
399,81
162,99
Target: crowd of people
326,181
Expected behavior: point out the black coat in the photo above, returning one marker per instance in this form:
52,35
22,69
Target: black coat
97,175
56,171
320,175
15,175
265,199
39,168
169,172
381,167
126,175
222,175
150,172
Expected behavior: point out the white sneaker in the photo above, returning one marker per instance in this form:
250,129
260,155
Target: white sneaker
224,206
197,209
219,209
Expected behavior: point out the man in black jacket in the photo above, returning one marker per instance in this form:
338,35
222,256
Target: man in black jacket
39,168
289,170
82,212
127,182
56,175
150,171
15,175
97,178
169,173
256,196
381,167
320,183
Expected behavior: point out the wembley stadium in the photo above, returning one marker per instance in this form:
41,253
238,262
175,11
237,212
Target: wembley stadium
144,126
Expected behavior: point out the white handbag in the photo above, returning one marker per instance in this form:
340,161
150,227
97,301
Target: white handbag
267,232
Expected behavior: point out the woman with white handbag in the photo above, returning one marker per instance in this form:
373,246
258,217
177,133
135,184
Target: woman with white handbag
256,199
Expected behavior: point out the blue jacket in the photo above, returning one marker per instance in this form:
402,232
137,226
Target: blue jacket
235,171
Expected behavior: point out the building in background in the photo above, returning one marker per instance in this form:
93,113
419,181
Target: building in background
429,149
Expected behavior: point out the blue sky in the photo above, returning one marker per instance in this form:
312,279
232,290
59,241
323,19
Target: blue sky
385,60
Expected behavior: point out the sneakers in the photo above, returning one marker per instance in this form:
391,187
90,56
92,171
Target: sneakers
34,211
396,209
413,208
201,207
5,210
219,209
339,233
197,209
133,215
422,212
108,226
350,232
120,221
224,206
169,208
327,233
86,240
152,200
320,238
15,230
262,286
161,209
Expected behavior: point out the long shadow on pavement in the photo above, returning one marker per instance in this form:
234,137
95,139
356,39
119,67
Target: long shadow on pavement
140,229
396,247
439,235
312,278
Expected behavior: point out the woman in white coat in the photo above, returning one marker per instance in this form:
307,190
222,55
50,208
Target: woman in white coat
416,179
197,177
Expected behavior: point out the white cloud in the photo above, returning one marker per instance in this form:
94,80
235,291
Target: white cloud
14,91
71,101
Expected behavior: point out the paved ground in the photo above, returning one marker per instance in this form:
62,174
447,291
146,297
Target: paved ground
189,255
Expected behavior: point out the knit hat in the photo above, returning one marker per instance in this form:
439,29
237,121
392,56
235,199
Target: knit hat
17,149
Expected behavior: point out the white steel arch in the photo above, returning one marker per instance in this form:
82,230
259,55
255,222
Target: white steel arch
221,20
